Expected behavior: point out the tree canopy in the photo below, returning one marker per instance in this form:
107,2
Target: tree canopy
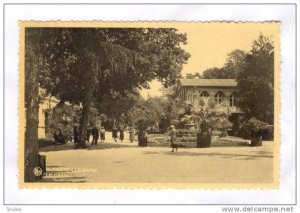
81,65
146,113
127,59
256,81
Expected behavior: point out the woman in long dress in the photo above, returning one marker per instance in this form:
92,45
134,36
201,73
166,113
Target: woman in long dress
102,134
115,133
121,134
173,136
131,134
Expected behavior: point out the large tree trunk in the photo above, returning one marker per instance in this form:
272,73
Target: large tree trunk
90,85
86,108
32,107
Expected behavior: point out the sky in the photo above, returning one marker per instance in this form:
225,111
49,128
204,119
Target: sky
209,44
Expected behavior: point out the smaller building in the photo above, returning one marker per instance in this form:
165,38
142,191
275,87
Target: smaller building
46,104
223,92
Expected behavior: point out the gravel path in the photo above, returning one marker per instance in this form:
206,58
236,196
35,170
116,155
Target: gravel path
126,163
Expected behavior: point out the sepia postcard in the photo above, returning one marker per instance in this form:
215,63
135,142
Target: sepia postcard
151,105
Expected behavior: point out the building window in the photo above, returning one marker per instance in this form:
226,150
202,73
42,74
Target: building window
194,99
233,99
204,94
219,97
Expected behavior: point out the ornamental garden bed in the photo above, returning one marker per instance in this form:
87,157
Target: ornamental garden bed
191,142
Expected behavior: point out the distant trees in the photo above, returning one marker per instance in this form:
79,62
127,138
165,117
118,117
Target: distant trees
115,104
235,63
142,114
233,66
215,72
193,75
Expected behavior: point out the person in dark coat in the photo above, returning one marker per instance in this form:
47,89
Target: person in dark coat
102,134
115,133
88,134
61,138
76,137
121,129
142,137
55,136
95,133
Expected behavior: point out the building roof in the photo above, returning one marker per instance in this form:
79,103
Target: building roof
209,82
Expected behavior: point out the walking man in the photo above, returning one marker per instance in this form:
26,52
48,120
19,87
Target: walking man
76,137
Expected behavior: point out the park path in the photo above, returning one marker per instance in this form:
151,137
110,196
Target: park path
127,163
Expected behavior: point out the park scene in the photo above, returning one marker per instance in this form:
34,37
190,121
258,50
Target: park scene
149,105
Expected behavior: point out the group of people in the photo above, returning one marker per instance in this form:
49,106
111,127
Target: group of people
60,138
120,130
94,132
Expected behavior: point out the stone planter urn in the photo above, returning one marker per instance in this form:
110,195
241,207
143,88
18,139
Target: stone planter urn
204,140
256,141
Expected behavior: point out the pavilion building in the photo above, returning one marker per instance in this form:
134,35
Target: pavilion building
223,92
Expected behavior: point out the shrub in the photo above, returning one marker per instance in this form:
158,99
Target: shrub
221,124
62,117
253,127
236,119
268,133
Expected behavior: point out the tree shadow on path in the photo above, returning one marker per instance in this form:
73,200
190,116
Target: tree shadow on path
254,156
71,146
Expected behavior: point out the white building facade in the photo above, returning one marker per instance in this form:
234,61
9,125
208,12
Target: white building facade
222,91
46,104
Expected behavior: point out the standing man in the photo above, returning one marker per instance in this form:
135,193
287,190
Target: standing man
95,133
88,134
76,137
